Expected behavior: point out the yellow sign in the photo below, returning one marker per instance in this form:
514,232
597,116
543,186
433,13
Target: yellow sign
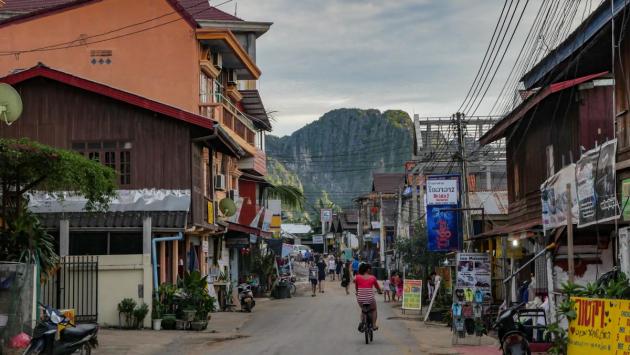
210,212
412,294
602,326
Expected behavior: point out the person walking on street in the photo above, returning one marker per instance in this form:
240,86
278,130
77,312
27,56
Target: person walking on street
313,274
355,266
345,277
307,257
321,268
331,267
431,284
338,267
393,285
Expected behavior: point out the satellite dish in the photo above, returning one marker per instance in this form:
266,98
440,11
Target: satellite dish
10,104
227,207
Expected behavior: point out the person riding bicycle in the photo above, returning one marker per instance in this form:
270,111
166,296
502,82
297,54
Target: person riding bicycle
364,282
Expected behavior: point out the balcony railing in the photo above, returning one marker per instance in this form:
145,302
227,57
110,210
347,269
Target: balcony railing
225,112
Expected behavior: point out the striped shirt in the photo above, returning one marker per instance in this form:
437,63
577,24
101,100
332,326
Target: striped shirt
365,293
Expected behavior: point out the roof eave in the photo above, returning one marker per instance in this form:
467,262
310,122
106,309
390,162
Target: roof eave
228,37
259,28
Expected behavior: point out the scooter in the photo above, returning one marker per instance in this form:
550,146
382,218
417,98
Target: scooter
246,296
513,339
72,337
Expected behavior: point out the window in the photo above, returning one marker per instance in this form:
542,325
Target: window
205,87
113,154
105,243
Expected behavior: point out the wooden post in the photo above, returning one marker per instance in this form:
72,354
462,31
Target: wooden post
162,262
175,261
569,217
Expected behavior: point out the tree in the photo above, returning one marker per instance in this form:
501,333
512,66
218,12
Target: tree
414,252
27,166
290,196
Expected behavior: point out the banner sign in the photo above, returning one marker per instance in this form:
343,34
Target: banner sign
412,294
443,190
596,185
601,327
553,195
443,227
473,277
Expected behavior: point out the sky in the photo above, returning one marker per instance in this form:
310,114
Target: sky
419,56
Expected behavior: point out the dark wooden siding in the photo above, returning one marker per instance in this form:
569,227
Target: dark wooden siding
57,114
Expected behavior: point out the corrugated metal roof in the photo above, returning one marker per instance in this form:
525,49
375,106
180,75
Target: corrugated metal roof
253,106
106,220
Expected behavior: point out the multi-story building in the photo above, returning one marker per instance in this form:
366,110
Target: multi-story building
196,62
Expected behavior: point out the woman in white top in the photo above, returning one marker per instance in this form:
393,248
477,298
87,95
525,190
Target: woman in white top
331,267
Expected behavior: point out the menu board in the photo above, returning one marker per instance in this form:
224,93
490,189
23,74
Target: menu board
602,326
473,277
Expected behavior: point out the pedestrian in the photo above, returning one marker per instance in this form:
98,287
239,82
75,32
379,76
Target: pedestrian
393,285
307,257
387,296
399,288
431,284
345,277
338,267
332,265
355,266
321,269
313,276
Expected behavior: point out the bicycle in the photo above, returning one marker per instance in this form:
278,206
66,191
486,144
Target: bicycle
366,323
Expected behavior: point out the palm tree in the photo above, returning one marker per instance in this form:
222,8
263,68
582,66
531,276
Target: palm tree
291,197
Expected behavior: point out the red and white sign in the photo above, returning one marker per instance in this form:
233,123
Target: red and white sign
442,191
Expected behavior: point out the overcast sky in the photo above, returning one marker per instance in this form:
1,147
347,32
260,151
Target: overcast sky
416,55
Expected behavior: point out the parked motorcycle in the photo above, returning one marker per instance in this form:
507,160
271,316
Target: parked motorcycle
521,330
512,339
72,338
246,297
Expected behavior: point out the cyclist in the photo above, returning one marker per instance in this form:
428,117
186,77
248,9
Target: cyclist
364,282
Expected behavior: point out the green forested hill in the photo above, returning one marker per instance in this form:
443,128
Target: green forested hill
332,159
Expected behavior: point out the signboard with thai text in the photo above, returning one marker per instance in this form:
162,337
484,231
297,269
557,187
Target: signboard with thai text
412,294
601,326
554,198
442,190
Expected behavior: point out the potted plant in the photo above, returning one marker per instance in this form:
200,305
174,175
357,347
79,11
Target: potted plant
126,308
168,321
156,314
139,313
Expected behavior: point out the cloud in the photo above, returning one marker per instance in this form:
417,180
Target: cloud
416,55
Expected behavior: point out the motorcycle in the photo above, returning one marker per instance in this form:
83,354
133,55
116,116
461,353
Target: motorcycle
72,338
246,297
522,331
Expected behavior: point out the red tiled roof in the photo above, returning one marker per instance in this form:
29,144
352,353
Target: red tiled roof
102,89
192,10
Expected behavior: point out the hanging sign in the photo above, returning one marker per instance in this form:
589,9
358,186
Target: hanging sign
442,190
596,185
600,327
554,199
443,227
412,294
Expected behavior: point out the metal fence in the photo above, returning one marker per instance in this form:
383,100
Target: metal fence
74,286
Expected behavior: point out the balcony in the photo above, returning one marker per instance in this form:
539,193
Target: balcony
239,126
256,163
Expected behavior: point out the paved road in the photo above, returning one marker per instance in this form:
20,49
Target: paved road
325,324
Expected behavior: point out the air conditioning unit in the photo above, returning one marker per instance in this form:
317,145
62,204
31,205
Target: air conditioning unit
233,194
219,182
217,60
232,77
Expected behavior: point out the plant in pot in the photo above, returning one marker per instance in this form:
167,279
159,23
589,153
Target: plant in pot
157,314
166,297
139,313
125,308
168,321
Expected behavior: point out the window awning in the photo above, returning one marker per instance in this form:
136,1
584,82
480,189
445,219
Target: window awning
511,228
498,131
237,227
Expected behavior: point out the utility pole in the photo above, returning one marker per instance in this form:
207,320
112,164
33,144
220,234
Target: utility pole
359,227
464,173
569,214
382,230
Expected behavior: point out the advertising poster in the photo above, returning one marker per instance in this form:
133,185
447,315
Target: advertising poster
554,199
412,294
602,326
443,227
625,199
473,277
596,186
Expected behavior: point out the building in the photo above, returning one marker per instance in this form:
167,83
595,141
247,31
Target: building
192,60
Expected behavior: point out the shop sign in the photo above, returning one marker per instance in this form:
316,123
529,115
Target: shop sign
204,246
473,277
318,239
601,326
237,242
443,227
326,215
412,294
442,190
554,199
596,185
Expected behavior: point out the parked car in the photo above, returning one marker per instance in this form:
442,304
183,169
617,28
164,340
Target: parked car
299,249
